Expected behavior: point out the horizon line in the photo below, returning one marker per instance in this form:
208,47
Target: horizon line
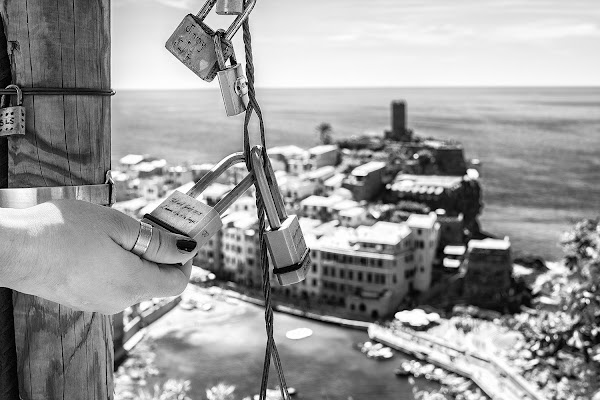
594,86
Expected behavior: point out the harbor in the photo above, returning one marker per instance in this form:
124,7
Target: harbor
226,344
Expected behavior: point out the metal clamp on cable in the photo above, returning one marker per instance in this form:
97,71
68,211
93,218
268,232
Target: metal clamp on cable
101,194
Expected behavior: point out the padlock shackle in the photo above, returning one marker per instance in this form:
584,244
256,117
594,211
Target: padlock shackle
264,191
219,49
203,13
19,95
272,180
237,23
234,194
215,172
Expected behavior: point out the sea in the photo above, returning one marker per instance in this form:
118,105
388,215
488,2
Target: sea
539,147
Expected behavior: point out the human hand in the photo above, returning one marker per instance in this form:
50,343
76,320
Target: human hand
78,254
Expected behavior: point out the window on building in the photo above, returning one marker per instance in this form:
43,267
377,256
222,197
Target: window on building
314,267
342,274
333,272
422,269
325,270
314,282
360,276
350,275
369,277
394,279
380,263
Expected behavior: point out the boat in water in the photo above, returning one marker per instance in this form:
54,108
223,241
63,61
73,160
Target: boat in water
376,351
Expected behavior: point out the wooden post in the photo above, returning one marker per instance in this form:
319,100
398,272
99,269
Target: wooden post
62,353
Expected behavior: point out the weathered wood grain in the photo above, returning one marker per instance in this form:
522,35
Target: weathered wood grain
62,353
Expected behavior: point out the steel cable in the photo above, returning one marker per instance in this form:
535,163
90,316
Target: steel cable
271,348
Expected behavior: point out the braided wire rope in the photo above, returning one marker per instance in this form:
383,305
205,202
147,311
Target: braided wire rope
253,106
9,382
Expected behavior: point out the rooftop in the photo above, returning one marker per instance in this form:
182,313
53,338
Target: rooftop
132,159
322,149
422,221
490,244
352,212
440,144
320,201
340,205
240,220
216,190
433,184
148,166
383,233
320,173
454,250
367,168
335,180
287,151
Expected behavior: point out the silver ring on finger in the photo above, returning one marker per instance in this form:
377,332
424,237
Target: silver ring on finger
143,240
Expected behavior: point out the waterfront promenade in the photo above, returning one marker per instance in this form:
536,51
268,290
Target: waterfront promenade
493,376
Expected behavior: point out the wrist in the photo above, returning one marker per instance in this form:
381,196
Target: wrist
13,248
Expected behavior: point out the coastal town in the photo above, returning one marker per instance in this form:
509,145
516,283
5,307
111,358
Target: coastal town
397,251
387,221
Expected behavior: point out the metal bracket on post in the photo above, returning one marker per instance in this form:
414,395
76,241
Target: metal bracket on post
101,194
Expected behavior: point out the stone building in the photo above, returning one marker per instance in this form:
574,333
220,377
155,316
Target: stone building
322,156
367,181
448,158
426,233
487,271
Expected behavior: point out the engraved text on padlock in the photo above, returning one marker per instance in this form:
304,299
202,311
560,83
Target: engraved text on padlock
192,43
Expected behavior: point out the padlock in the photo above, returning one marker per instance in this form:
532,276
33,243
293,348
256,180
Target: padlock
12,119
192,42
186,215
230,7
233,82
284,238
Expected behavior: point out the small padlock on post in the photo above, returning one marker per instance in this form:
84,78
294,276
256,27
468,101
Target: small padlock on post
285,240
184,214
233,82
230,7
12,119
192,42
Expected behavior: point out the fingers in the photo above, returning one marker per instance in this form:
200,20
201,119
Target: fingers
165,247
166,280
169,248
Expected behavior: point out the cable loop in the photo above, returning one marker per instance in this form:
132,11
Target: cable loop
253,106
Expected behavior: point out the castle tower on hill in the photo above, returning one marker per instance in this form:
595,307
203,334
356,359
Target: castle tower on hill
399,131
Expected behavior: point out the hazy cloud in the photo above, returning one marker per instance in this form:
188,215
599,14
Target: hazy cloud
548,30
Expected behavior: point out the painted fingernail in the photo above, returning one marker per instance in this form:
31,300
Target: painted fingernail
186,245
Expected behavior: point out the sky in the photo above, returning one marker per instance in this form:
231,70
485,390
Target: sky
375,43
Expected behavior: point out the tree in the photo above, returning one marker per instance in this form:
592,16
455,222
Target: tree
324,130
576,324
581,295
